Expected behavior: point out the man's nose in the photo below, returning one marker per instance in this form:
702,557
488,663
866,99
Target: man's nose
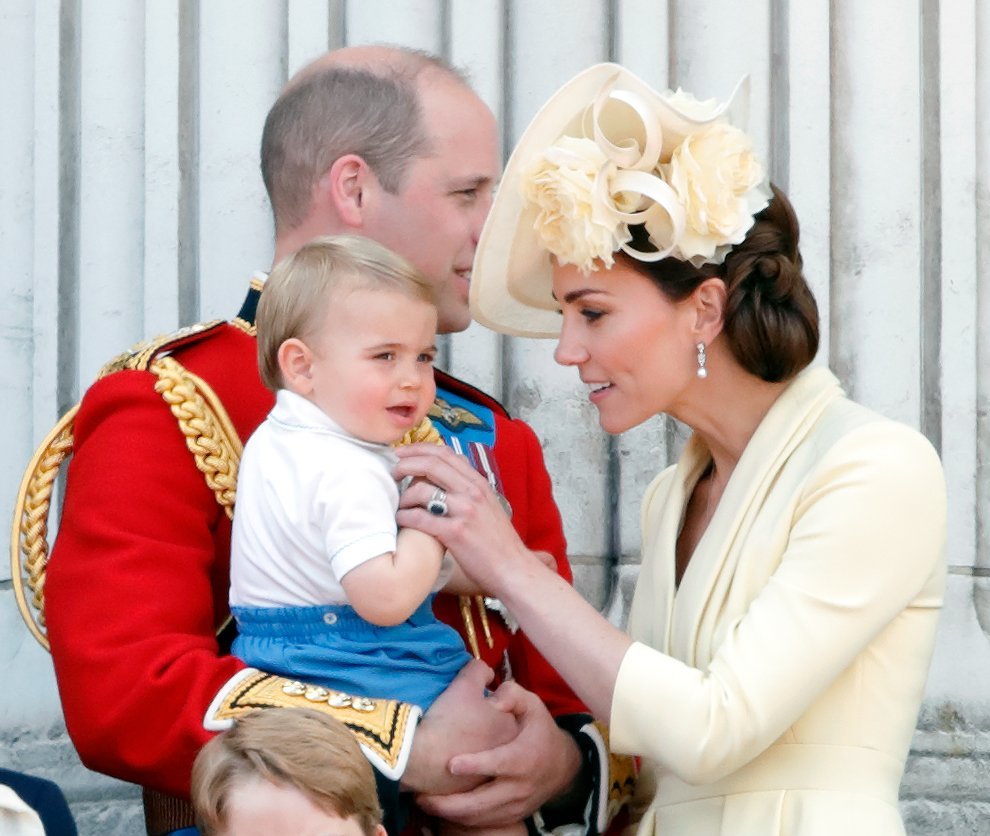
480,214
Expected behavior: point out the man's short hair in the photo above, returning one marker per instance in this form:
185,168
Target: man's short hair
297,747
297,293
335,110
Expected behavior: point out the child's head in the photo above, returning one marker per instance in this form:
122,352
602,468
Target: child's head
285,770
351,326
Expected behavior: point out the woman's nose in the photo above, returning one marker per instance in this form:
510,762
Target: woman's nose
569,351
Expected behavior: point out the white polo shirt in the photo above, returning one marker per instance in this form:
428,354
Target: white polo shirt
313,502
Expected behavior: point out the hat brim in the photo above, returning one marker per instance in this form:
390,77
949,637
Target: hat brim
512,276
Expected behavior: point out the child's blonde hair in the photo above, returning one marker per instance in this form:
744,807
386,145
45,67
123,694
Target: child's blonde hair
297,747
298,290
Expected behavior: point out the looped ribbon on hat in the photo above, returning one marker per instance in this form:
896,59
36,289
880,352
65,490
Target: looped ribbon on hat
630,169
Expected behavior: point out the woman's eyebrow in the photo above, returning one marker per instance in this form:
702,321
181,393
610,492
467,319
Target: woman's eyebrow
574,295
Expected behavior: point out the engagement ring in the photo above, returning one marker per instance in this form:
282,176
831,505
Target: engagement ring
438,503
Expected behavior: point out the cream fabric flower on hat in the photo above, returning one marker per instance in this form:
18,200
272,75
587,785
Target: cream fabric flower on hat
721,185
572,222
605,153
687,174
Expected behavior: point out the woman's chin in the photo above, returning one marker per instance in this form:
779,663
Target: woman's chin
612,424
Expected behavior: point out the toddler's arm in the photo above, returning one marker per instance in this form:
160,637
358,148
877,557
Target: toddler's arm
387,589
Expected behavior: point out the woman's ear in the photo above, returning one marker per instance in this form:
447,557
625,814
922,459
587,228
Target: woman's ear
343,189
295,362
709,308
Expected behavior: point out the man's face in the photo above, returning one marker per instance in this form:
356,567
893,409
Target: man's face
436,218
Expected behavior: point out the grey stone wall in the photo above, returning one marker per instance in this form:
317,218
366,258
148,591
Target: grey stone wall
130,205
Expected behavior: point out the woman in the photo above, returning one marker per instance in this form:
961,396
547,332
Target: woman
793,559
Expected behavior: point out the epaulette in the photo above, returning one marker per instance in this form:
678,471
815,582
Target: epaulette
140,355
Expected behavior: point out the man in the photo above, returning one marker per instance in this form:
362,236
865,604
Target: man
393,145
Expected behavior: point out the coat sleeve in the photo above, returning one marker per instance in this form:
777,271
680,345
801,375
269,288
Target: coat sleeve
866,542
131,599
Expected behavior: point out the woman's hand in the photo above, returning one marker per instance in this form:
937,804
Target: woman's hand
474,528
571,634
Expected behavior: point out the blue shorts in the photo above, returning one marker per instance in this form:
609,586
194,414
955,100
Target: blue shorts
334,647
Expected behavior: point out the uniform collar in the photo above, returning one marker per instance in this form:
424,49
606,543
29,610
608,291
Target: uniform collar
249,308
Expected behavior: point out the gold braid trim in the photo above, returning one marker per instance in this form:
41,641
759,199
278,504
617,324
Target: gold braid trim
29,547
247,327
472,636
29,533
208,430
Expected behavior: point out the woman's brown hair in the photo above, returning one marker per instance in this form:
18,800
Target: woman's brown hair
771,317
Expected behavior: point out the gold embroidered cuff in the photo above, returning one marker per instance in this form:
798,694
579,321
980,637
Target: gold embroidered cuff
619,775
383,728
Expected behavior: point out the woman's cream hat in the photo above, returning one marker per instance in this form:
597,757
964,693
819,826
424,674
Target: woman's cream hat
605,152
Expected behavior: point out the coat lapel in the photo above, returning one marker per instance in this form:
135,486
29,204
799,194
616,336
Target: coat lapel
715,585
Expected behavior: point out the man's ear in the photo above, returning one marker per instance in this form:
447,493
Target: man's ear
344,189
709,300
295,362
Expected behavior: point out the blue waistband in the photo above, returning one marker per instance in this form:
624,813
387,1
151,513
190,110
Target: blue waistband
311,621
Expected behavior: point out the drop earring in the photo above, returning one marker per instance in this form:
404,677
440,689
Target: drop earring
702,359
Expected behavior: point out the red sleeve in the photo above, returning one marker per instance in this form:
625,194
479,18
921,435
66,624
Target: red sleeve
135,588
537,519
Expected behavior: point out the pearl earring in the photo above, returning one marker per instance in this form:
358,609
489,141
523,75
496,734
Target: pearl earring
702,359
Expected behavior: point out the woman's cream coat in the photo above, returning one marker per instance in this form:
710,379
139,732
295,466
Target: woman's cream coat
777,689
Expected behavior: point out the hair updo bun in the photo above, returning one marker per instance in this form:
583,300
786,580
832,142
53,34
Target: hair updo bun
771,318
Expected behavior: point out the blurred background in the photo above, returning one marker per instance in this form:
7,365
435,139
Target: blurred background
131,204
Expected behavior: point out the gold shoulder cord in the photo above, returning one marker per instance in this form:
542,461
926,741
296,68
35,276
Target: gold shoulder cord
209,434
208,430
29,533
